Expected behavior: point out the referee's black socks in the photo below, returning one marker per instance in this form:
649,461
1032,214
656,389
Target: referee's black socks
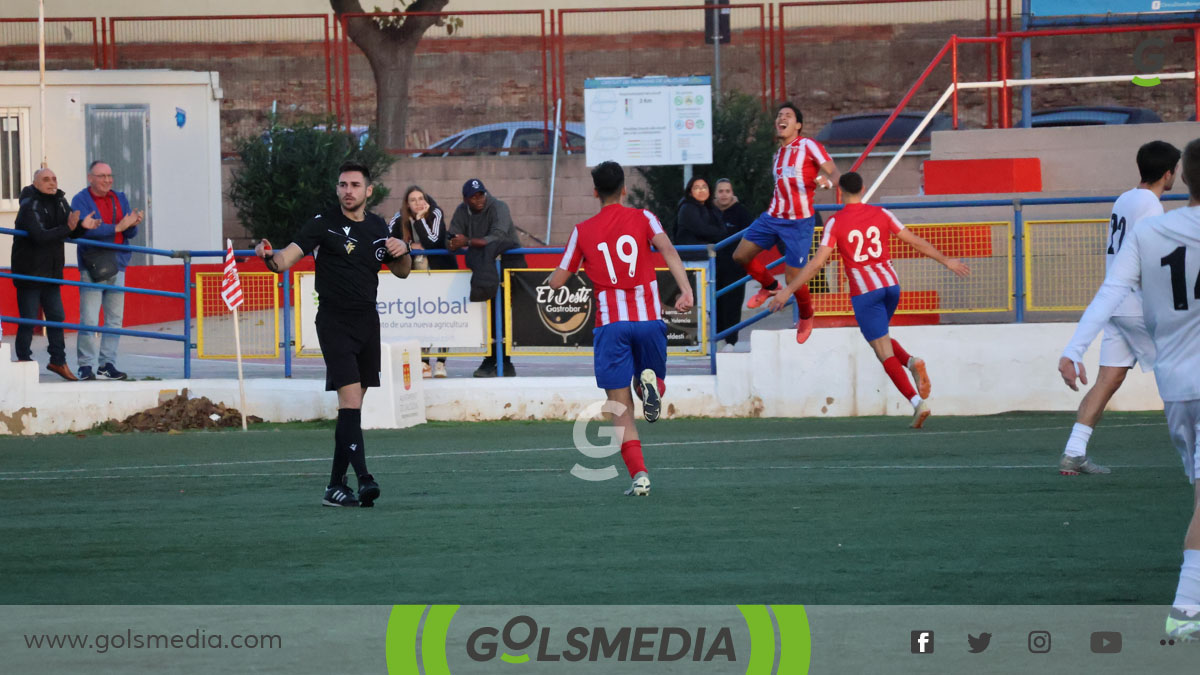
349,448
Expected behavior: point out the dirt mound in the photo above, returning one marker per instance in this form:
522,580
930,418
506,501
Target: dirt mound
181,412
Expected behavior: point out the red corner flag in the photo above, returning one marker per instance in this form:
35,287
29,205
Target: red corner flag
231,285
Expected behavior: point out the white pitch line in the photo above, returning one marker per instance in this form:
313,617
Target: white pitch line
817,437
749,467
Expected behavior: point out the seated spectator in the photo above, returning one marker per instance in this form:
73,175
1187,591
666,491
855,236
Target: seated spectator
421,223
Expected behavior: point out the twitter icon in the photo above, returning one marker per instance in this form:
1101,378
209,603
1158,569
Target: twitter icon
978,644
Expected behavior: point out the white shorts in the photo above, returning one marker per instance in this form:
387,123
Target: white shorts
1127,342
1183,422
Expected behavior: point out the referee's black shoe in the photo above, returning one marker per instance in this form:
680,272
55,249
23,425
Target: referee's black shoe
368,490
339,495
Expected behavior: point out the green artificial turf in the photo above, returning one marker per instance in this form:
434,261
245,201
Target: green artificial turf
835,511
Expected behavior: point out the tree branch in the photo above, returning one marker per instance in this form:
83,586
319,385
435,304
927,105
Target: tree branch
369,36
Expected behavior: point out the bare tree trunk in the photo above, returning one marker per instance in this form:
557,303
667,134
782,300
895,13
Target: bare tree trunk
390,51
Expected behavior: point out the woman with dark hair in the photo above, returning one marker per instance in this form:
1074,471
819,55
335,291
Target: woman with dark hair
698,220
737,218
421,223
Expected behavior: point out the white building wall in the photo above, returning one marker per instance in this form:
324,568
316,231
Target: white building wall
185,163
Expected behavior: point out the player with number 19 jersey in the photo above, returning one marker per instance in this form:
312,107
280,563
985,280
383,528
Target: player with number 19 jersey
615,246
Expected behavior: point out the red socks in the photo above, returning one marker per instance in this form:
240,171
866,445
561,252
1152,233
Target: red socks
900,353
759,273
899,378
804,302
631,452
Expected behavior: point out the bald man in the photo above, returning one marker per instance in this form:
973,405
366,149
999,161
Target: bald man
48,220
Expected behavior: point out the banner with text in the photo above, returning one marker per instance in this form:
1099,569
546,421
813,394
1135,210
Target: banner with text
542,320
429,307
1045,8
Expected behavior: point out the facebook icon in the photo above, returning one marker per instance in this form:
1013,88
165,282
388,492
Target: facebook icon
922,642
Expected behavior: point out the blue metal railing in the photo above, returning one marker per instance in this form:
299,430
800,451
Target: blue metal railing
711,290
1019,262
185,337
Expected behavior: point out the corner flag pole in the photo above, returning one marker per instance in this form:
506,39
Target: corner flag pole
42,74
231,293
237,339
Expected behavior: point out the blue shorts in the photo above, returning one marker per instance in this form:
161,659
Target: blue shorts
874,310
797,236
623,349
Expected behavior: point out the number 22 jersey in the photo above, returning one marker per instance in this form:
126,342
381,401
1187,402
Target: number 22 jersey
614,246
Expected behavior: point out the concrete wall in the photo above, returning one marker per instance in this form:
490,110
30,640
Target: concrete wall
975,370
185,174
1094,160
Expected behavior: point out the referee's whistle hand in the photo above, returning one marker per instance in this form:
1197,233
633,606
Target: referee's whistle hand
395,247
263,249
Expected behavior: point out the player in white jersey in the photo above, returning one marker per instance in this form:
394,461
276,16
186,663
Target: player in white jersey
1161,257
1126,341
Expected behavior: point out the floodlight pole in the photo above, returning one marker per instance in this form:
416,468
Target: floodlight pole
716,22
553,168
1026,67
42,75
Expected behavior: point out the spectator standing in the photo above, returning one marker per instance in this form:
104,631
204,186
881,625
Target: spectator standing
48,220
737,218
118,225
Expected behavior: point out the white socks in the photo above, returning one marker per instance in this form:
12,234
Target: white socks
915,401
1187,596
1077,443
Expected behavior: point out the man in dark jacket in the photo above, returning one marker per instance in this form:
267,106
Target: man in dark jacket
483,225
47,218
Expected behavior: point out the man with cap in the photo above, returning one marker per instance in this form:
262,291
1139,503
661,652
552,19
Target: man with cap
482,225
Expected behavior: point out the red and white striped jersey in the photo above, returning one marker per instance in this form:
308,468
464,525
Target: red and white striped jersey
796,166
860,234
614,246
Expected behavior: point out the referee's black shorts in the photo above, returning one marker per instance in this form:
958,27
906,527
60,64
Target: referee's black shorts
350,344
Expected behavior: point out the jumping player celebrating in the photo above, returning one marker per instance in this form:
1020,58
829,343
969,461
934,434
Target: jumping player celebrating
1126,341
1161,257
353,242
860,233
799,167
630,335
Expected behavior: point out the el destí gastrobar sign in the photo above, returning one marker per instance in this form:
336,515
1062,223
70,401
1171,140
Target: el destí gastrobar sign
543,320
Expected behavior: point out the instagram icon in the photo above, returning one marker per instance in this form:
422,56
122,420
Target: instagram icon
1039,642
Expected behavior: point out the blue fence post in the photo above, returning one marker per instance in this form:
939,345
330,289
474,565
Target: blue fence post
287,323
1019,260
710,292
499,333
187,318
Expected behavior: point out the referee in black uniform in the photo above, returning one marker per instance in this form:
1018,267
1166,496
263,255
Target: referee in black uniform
353,243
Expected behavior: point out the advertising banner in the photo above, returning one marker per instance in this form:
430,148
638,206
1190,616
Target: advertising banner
1045,8
542,320
429,307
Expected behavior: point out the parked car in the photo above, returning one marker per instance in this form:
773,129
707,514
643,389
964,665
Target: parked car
1079,116
507,138
857,130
